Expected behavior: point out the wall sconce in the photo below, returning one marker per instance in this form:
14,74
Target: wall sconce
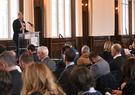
116,8
84,5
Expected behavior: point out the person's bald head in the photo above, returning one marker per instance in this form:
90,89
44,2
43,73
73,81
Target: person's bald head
116,49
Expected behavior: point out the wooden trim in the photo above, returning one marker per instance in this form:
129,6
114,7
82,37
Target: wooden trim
21,3
73,19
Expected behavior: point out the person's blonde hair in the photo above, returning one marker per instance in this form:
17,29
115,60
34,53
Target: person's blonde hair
108,45
38,78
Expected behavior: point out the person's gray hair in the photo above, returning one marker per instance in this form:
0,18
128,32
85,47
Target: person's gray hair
43,49
9,57
85,49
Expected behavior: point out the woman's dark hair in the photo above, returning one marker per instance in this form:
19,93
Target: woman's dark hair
129,69
31,47
82,78
70,55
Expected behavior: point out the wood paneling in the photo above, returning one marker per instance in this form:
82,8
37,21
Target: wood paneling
55,45
21,5
9,44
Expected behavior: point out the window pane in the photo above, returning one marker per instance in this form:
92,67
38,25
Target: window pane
61,17
4,18
67,18
54,19
125,16
14,8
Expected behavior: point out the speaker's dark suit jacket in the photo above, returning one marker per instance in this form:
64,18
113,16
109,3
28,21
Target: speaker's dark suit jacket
16,27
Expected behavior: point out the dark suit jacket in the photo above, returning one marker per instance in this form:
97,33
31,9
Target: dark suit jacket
107,56
16,28
116,66
65,81
16,82
50,64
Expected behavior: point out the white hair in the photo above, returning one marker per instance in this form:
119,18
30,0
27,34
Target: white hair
85,49
43,49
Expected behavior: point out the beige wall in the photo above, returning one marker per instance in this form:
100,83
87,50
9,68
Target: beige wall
133,16
29,14
101,17
47,18
79,25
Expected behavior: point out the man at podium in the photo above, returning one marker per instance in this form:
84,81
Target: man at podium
18,27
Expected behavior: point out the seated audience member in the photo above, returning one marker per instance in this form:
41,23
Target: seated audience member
106,54
9,58
61,64
5,80
117,63
2,48
84,81
25,60
99,66
84,58
106,83
64,79
31,48
75,50
39,80
128,86
42,53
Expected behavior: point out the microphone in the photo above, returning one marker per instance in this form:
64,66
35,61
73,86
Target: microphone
60,36
30,24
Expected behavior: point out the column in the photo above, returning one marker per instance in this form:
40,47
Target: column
29,14
79,18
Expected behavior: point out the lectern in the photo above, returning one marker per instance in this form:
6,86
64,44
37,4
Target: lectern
27,38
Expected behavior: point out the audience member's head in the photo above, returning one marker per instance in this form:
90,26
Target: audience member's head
64,49
116,49
94,57
107,46
129,69
85,49
42,52
9,57
82,78
5,80
38,78
25,60
70,55
31,48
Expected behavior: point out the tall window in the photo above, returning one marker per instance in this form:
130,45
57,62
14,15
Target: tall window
125,16
61,18
8,12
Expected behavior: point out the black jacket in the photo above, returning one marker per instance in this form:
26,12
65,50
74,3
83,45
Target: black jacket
65,81
16,27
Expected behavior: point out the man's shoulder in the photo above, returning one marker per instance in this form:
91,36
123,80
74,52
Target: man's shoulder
16,21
